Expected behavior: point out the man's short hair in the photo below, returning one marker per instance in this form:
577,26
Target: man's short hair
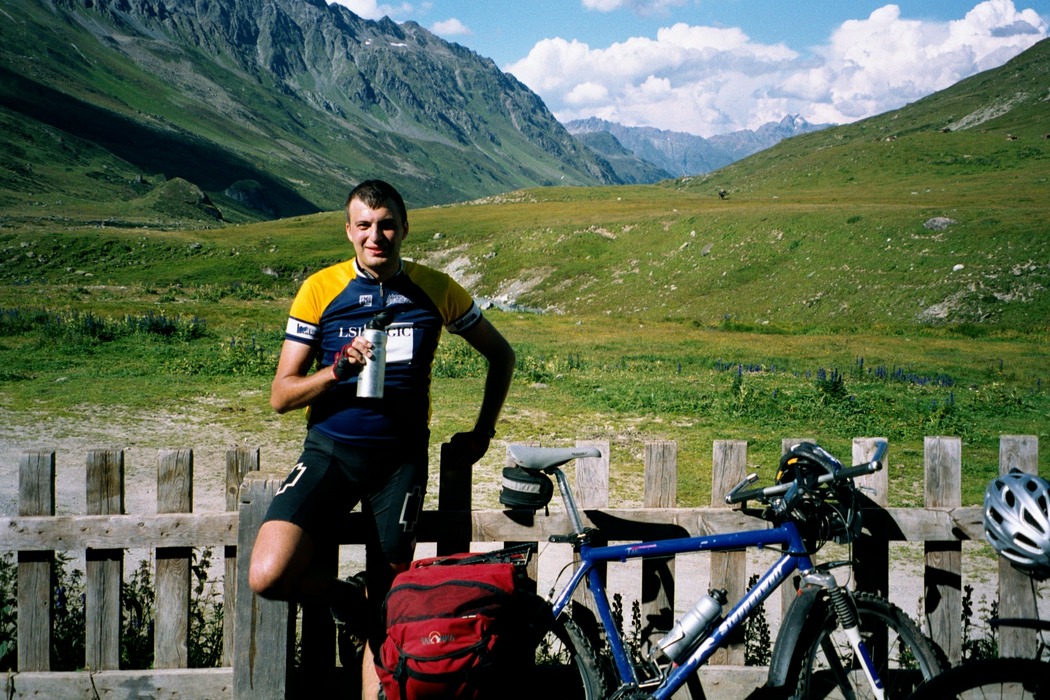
376,193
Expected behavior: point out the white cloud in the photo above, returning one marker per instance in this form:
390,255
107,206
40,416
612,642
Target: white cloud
710,80
642,7
451,27
370,9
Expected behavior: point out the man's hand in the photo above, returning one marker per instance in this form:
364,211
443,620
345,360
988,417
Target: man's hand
342,362
470,447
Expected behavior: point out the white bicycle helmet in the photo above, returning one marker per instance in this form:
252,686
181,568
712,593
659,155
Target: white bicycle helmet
1017,520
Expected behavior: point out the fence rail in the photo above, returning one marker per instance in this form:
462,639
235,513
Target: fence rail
259,634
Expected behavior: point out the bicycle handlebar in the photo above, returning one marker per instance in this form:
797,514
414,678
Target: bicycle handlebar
737,495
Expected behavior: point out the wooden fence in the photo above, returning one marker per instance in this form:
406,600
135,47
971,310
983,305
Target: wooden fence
259,634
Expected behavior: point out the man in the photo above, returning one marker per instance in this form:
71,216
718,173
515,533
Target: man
371,451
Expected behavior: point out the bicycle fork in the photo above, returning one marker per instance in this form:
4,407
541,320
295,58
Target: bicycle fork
846,613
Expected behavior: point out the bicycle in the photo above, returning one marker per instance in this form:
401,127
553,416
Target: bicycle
824,645
1017,524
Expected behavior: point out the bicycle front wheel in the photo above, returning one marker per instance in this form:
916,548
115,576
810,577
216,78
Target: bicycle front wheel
826,664
567,666
990,679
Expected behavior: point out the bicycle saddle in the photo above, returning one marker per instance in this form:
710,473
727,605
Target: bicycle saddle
546,457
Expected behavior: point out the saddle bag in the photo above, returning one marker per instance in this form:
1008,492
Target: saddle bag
456,623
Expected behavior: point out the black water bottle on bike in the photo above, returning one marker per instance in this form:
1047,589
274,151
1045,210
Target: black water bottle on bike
688,630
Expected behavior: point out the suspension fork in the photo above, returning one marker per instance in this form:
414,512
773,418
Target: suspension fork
846,612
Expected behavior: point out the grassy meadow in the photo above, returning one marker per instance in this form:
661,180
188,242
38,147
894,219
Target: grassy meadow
638,313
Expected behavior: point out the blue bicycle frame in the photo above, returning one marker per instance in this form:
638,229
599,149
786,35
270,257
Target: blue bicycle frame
786,536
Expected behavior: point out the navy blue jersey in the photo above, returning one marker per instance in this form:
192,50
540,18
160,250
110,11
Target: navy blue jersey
334,305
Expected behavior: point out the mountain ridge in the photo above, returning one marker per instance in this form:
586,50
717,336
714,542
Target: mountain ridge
310,95
682,154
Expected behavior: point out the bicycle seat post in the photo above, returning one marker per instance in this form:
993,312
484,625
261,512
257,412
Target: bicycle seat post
570,502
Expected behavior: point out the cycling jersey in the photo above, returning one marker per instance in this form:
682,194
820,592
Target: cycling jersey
332,308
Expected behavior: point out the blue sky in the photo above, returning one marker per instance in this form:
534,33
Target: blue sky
714,66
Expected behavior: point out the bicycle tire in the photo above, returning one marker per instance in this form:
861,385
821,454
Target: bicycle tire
990,679
567,666
903,659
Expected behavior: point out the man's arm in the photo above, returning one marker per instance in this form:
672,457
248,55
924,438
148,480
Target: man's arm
293,386
488,341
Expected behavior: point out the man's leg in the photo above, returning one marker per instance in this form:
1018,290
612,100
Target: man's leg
280,557
369,677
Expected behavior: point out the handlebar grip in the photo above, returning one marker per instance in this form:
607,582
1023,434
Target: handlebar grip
742,496
859,470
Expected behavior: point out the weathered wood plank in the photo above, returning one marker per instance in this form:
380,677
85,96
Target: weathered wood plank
592,491
1016,594
262,654
74,532
787,591
172,616
239,461
104,567
454,493
872,552
36,496
728,570
179,684
64,532
943,572
661,491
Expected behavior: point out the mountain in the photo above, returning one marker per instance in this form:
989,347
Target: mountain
682,154
271,108
630,169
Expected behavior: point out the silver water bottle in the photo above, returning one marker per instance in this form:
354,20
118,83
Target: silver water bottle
688,630
373,375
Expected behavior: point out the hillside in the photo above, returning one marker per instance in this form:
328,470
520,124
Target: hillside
930,216
269,108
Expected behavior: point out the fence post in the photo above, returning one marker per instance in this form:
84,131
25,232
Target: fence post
239,461
455,489
592,493
872,570
661,491
789,592
943,572
533,567
262,653
1016,597
105,567
172,617
728,570
36,496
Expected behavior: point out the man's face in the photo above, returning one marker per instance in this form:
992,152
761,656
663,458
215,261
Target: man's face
376,235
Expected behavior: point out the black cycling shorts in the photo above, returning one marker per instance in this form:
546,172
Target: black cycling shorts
331,478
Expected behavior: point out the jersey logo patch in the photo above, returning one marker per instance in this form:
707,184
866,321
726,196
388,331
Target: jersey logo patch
300,330
365,300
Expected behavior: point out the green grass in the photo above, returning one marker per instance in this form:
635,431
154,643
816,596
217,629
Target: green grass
813,302
578,378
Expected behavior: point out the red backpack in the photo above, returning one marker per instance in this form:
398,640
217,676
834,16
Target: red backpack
453,623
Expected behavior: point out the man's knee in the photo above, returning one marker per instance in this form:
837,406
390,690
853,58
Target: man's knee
279,553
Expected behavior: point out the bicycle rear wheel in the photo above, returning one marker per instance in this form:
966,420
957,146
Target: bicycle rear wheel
825,661
567,666
990,679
